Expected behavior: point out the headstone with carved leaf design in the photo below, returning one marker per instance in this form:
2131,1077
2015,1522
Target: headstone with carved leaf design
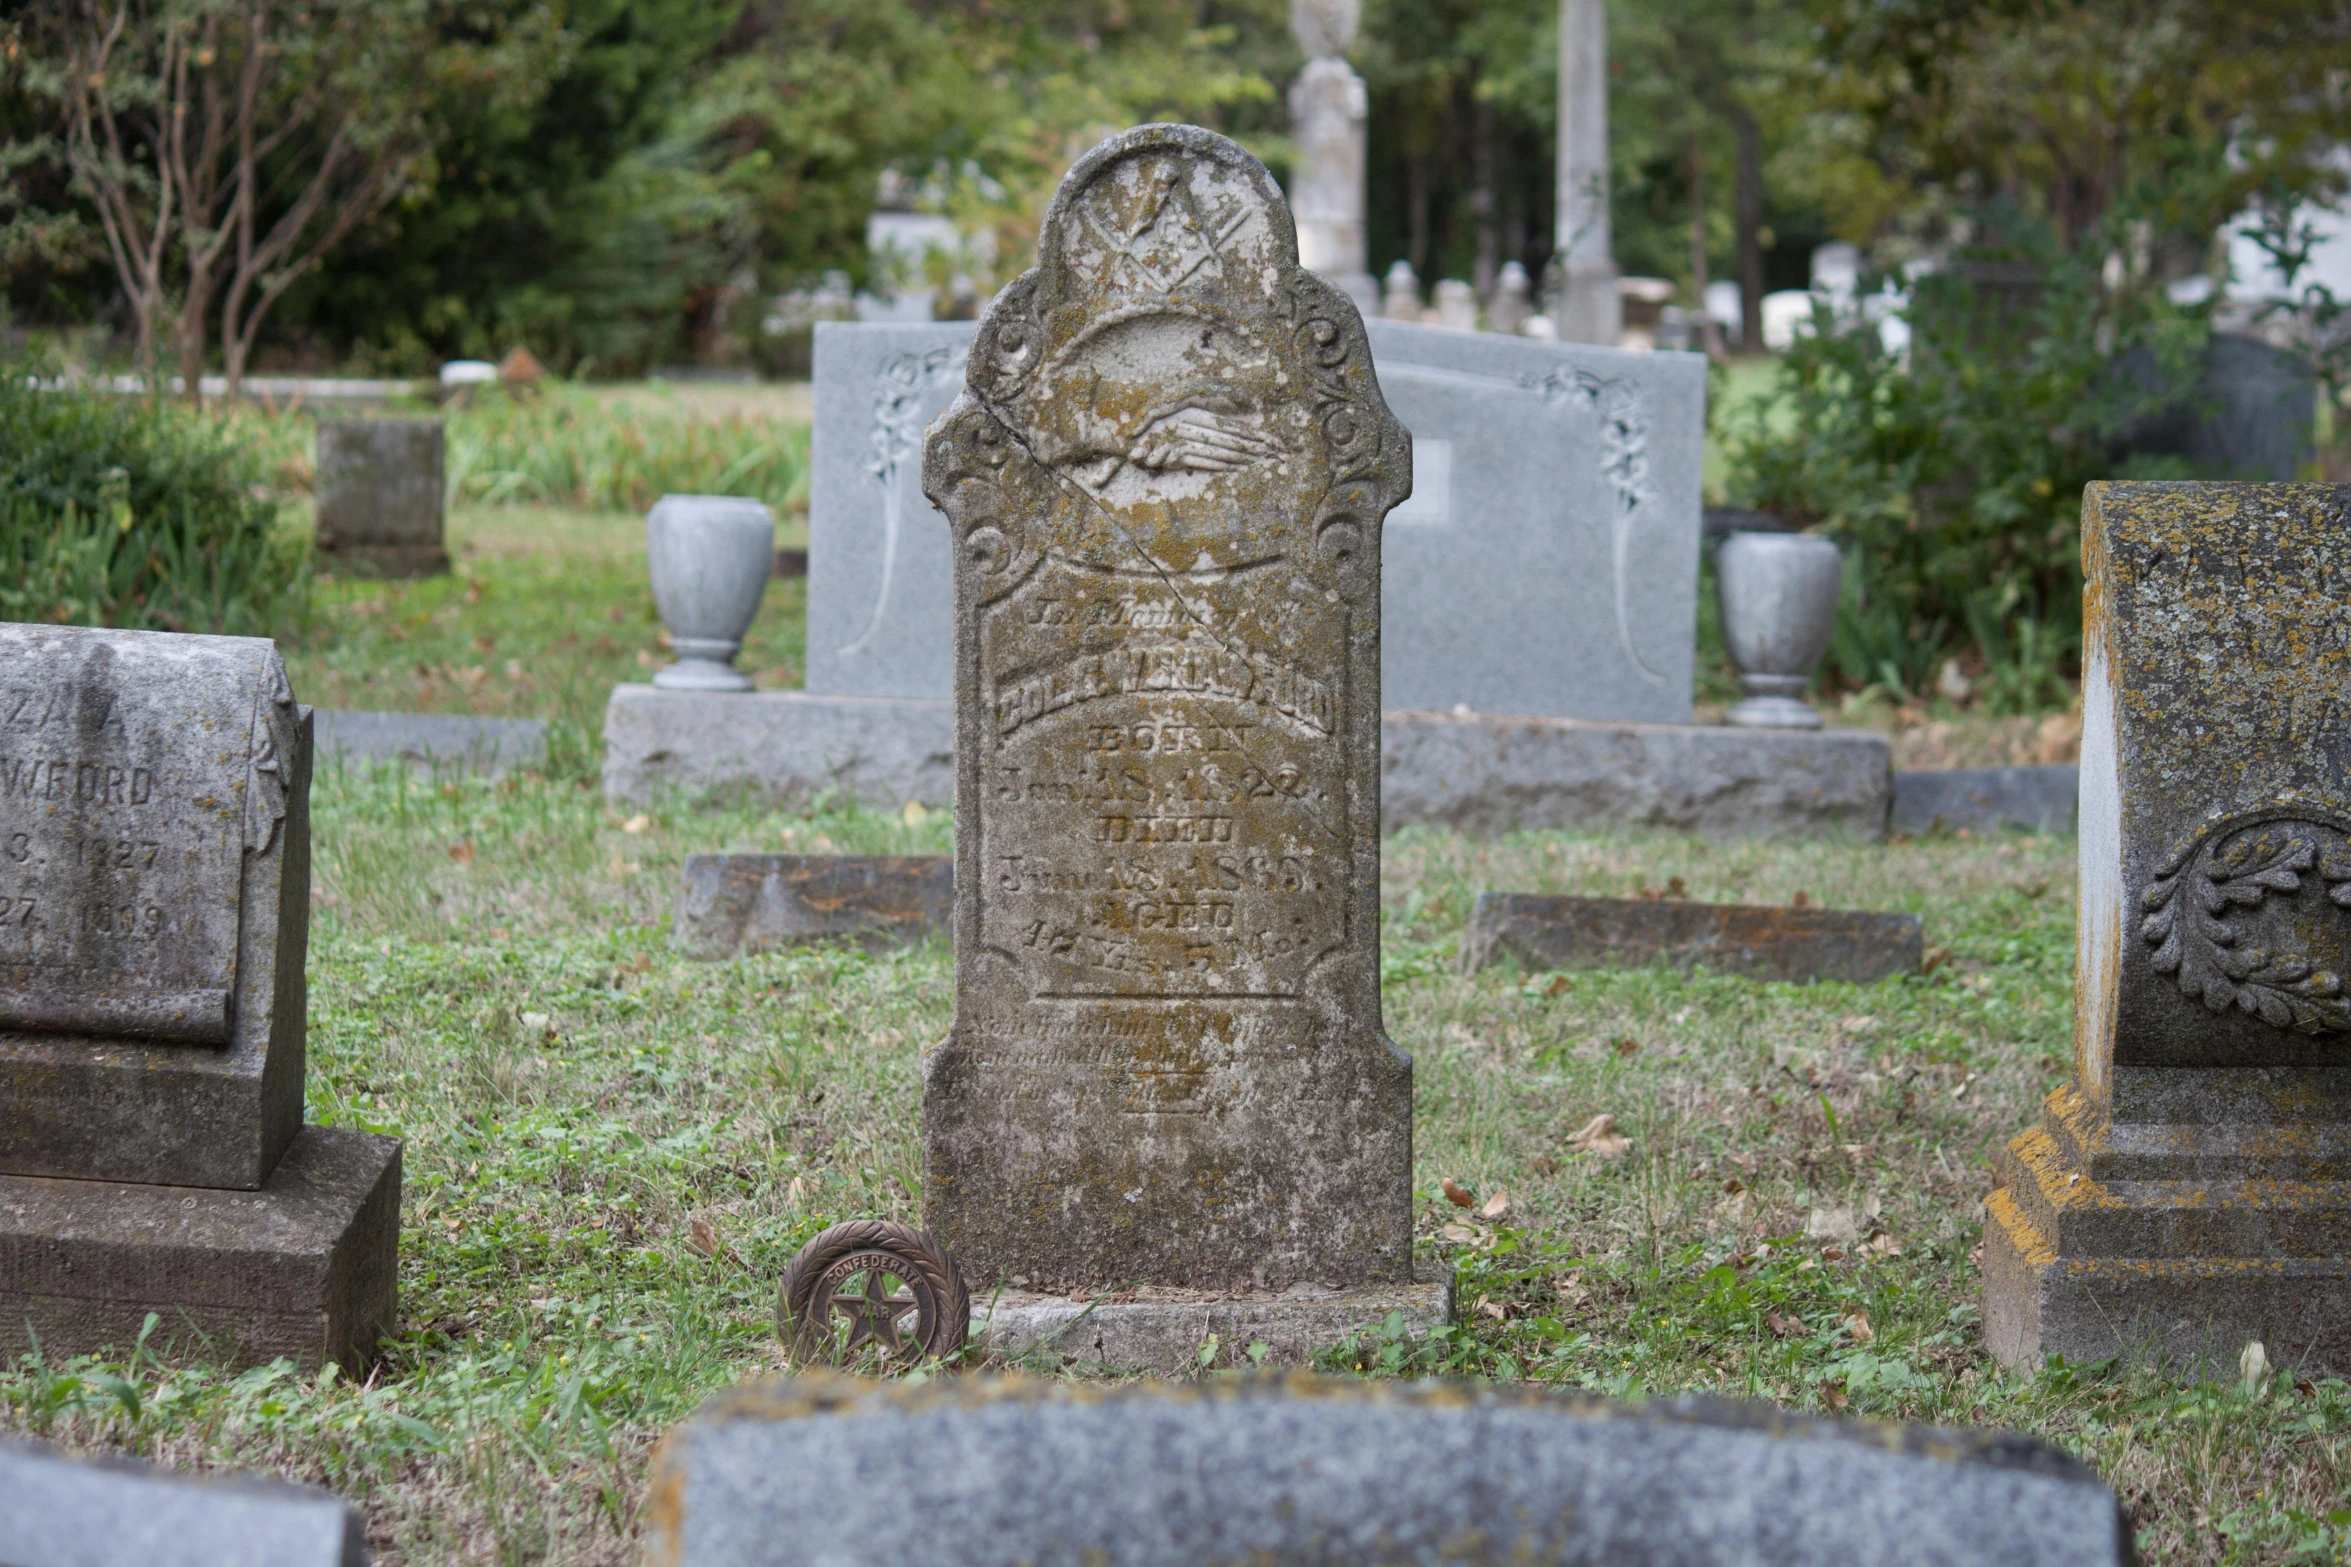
154,912
1167,476
2189,1189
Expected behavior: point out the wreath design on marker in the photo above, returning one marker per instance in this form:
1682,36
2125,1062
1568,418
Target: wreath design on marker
2193,918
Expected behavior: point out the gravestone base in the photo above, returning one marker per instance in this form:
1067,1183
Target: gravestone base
385,560
1164,1332
304,1268
2215,1211
785,748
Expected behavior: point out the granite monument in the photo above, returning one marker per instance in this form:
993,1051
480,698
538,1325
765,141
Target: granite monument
378,488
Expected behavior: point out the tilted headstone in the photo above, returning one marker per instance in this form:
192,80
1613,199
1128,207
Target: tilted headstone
1546,563
63,1512
730,905
2186,1191
1167,475
1309,1471
378,489
1798,946
154,915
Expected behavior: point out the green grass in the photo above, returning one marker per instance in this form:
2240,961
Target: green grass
601,1199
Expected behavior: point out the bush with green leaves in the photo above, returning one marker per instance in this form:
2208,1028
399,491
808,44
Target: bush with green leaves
121,511
1952,471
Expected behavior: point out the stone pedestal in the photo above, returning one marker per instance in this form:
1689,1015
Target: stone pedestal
378,484
2189,1189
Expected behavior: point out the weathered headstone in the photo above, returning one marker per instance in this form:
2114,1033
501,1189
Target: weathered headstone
1799,946
378,487
1302,1471
1166,476
730,905
154,913
2187,1191
62,1512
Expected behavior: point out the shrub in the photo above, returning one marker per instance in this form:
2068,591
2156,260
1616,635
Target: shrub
1952,473
566,446
119,511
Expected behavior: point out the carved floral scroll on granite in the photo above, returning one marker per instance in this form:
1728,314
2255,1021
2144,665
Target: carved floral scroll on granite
2229,915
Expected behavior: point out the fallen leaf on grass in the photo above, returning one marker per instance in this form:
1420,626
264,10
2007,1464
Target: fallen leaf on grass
1570,1288
1624,1047
1459,1234
1599,1137
1802,900
1544,1164
703,1237
1494,1309
636,824
1733,1186
1785,1327
915,814
1884,1246
1558,986
462,851
1858,1326
1496,1205
1834,1396
1455,1194
1831,1224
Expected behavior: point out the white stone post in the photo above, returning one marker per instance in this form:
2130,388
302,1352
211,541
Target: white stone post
1327,113
1587,310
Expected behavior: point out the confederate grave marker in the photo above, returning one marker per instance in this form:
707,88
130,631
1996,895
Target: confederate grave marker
1166,477
154,914
379,495
2187,1189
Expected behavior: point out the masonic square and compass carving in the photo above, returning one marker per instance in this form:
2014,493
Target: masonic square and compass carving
1166,479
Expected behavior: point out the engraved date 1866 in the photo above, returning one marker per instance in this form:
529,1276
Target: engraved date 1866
2204,919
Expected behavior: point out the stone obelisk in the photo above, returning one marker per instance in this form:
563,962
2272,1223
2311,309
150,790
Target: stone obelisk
1586,309
1327,113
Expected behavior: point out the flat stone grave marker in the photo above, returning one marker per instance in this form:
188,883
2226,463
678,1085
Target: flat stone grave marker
154,916
2187,1190
63,1512
1799,946
732,905
1166,477
378,487
1297,1471
1546,562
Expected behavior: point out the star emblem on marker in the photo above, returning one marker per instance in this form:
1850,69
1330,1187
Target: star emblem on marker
873,1312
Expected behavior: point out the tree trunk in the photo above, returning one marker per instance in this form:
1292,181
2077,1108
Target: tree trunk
1747,218
1708,333
1483,198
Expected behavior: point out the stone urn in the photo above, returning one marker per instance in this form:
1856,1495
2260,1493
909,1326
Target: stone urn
1779,608
709,557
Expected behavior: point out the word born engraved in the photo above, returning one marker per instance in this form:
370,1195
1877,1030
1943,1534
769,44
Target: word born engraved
2224,915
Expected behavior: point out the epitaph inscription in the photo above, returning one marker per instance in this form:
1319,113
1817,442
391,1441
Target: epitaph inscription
134,776
1166,478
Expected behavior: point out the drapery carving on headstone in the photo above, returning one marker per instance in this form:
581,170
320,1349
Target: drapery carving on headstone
1166,477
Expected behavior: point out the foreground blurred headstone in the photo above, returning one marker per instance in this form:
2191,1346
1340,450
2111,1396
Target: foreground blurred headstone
2188,1191
64,1512
154,915
1797,945
731,905
1166,478
378,488
1298,1471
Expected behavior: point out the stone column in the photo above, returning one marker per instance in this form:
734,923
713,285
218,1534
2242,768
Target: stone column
1327,112
1586,309
1165,480
2187,1190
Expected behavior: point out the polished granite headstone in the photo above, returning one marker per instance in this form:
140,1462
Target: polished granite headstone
154,914
2189,1188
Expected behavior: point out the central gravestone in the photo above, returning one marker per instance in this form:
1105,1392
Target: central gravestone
1166,477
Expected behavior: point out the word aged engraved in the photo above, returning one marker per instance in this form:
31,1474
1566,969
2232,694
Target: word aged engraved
2206,900
1166,478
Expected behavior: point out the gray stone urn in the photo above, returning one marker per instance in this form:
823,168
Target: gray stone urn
1779,608
709,557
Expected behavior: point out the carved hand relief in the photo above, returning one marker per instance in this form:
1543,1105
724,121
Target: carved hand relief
2247,914
1166,478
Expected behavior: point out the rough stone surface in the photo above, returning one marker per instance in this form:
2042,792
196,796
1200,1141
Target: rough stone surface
64,1512
1799,946
1547,561
1488,774
454,740
1167,475
1300,1470
2187,1190
733,904
379,495
304,1267
1170,1333
154,905
1980,798
786,748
